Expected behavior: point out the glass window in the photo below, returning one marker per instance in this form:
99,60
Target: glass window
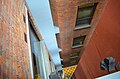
24,19
78,41
74,61
25,37
85,14
74,54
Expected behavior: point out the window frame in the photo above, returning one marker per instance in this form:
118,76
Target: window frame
86,25
80,45
25,37
24,19
74,54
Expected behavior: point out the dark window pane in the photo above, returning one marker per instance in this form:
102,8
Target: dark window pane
74,54
78,40
24,19
83,21
25,37
73,61
85,14
62,63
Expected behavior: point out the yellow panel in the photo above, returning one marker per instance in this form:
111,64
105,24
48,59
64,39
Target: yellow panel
68,71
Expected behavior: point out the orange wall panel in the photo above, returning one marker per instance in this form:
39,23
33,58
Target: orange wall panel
105,42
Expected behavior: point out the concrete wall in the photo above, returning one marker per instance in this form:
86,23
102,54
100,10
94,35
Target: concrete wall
105,42
14,56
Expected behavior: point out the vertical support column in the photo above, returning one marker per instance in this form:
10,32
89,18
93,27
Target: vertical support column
43,63
52,66
46,59
28,39
42,58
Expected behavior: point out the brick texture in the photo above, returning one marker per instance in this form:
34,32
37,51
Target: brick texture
14,60
64,14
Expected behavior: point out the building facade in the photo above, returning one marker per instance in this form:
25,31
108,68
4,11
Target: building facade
14,46
23,53
103,43
85,33
62,39
76,20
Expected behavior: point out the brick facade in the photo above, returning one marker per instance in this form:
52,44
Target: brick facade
14,58
64,14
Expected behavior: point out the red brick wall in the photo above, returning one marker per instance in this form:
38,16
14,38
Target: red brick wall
105,42
64,16
14,60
